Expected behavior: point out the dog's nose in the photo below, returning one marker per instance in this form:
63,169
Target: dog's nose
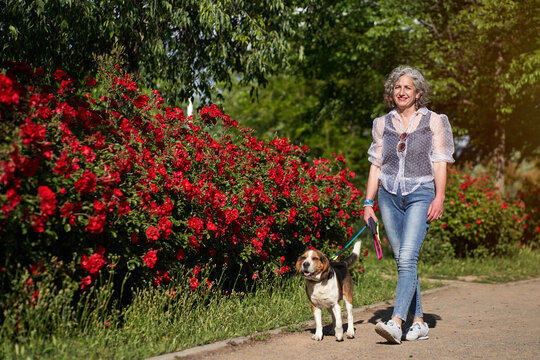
305,265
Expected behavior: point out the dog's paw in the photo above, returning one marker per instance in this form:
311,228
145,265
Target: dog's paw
338,334
317,337
350,336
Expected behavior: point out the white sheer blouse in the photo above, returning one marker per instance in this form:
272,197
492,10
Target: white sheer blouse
406,156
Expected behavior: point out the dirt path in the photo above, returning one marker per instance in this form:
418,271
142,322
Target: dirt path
467,321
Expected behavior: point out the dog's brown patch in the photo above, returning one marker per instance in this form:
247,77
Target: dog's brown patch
322,264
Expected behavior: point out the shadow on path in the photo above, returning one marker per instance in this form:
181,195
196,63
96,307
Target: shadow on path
386,314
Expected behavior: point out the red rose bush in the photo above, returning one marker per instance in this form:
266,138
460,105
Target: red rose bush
98,169
479,220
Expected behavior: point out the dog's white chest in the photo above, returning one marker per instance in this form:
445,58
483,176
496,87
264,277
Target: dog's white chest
324,294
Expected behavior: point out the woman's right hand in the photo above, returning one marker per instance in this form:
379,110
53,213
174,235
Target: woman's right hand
369,213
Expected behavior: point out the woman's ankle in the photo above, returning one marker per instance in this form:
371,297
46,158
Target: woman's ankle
397,321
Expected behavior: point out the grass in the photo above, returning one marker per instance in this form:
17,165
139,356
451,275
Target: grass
157,323
522,265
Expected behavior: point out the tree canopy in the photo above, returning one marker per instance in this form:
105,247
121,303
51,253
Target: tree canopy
483,60
332,89
180,47
326,61
481,57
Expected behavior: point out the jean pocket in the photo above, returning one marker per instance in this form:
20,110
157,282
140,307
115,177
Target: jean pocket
428,186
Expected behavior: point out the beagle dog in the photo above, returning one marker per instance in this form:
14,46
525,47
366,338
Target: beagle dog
326,284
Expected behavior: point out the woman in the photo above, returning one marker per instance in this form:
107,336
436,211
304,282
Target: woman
411,146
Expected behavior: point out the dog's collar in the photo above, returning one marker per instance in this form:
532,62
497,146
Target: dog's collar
330,274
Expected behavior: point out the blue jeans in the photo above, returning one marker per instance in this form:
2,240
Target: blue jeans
405,222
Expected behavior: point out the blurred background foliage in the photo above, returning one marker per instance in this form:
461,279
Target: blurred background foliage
312,70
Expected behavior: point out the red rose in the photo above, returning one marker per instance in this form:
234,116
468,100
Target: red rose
193,283
99,207
86,281
152,233
87,183
194,242
94,263
141,101
231,215
88,153
13,198
123,208
150,258
165,226
62,164
211,226
196,224
90,81
67,209
291,217
39,224
8,94
44,113
32,133
48,200
165,276
209,114
96,224
59,75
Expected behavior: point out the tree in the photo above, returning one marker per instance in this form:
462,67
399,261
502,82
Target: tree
180,47
332,90
483,59
494,62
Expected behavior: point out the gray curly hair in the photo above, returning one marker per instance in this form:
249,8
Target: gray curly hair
421,85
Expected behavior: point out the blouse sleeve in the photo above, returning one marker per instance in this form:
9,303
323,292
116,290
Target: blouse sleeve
443,141
375,150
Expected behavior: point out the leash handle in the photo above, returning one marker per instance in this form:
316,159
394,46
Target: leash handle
375,233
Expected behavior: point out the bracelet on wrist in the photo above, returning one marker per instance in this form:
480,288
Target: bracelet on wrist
368,202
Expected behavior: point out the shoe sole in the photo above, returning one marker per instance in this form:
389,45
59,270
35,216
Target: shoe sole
420,338
385,334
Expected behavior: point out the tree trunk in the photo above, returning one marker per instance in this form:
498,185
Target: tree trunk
500,133
498,156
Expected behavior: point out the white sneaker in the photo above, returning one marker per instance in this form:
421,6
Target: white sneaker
418,331
391,331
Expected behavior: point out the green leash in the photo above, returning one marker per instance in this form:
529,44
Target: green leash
346,246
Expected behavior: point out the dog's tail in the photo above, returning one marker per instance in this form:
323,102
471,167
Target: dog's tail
351,259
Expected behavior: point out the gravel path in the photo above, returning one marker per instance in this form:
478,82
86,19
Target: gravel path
467,321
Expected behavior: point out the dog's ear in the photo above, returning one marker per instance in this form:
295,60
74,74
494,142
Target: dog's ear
325,265
299,263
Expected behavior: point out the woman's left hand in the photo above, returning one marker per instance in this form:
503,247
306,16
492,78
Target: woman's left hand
435,210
